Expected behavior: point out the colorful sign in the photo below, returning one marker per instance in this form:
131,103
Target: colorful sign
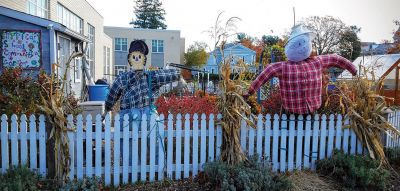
21,49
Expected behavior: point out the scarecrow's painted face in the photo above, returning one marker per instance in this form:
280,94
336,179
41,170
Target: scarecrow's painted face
299,48
136,60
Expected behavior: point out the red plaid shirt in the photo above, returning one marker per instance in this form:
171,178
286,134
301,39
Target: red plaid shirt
301,82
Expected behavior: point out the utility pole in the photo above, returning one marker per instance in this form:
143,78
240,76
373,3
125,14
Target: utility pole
294,17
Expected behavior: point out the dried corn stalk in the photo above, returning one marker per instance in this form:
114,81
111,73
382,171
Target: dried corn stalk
56,107
365,110
234,109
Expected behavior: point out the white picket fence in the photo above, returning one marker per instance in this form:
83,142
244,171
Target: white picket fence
175,147
24,141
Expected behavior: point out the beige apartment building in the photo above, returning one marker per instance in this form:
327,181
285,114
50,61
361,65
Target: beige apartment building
80,17
164,46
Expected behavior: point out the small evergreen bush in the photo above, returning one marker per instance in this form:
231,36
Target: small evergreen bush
393,155
86,184
354,171
18,178
253,175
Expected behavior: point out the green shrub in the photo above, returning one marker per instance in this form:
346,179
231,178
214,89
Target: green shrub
19,178
87,184
393,155
354,171
253,175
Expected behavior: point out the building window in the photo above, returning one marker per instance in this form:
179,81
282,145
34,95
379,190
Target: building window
121,44
157,46
107,63
38,8
77,69
69,19
91,49
119,70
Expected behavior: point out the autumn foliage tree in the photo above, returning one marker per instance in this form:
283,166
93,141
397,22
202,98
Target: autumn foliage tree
196,54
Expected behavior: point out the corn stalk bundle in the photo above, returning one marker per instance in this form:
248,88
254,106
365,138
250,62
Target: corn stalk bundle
365,110
55,106
234,109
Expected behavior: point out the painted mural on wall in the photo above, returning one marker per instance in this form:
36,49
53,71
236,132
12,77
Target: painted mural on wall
21,49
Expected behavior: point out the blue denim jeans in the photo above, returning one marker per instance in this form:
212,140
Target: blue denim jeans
135,118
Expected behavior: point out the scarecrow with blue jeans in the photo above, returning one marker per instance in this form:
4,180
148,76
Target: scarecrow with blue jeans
135,87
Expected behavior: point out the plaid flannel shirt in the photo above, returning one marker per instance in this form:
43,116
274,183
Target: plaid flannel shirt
133,87
301,82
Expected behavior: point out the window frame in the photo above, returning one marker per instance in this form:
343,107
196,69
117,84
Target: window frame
157,46
120,44
69,19
35,6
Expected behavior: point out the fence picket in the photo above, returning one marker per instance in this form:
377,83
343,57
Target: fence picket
292,131
134,153
152,145
98,146
283,147
307,154
89,146
186,147
4,143
299,142
267,140
203,145
219,138
353,142
32,142
125,148
23,140
360,146
71,139
338,137
79,147
322,143
275,143
314,154
195,159
251,140
346,140
211,138
243,136
170,142
107,150
117,156
178,147
14,140
331,134
260,129
143,150
42,146
161,148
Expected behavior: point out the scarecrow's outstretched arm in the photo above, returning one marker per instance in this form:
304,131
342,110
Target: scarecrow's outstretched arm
334,60
165,76
272,70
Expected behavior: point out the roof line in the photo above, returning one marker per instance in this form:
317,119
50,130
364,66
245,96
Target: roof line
94,9
142,29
